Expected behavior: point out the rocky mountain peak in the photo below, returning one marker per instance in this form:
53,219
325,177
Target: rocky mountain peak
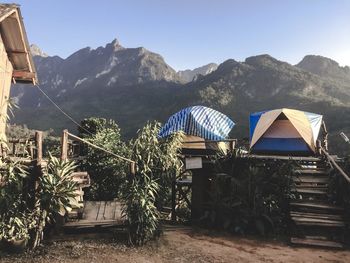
189,75
263,59
36,51
319,62
325,67
227,66
115,45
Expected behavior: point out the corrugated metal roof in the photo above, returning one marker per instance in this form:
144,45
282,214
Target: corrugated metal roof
16,43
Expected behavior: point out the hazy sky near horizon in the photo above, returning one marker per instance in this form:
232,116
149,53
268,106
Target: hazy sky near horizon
191,33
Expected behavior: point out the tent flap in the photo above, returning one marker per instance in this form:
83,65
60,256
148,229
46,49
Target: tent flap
263,124
315,121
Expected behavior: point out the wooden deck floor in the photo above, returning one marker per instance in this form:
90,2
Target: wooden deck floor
281,157
98,214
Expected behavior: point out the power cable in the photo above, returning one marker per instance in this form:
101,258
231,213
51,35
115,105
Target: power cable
62,111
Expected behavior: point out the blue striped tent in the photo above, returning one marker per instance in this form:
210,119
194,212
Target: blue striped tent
199,121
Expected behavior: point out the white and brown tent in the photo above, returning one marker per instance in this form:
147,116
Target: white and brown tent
284,131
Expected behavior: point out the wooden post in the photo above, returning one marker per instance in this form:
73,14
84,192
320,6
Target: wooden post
37,171
325,136
200,187
39,146
173,199
132,169
64,145
14,148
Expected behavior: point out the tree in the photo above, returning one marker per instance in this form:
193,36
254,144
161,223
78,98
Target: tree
106,171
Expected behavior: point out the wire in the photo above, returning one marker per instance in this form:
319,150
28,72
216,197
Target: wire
62,111
99,147
78,138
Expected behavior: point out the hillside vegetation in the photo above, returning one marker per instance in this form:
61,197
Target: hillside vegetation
134,85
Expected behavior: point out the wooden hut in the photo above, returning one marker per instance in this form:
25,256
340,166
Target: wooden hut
206,131
16,63
198,156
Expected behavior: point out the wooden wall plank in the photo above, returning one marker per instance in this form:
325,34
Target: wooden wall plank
5,84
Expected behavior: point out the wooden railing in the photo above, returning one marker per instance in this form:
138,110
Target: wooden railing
30,147
336,165
65,149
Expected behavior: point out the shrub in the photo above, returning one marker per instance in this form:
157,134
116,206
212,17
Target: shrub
107,172
246,197
139,207
15,218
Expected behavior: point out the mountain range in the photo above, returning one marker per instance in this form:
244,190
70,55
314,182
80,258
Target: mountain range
134,85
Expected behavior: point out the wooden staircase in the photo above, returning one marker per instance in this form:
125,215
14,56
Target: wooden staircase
316,220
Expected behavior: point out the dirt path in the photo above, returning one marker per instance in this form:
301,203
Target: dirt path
179,246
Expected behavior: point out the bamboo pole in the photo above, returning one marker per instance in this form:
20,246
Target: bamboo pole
39,146
64,145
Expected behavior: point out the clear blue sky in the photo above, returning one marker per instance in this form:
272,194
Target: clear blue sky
190,33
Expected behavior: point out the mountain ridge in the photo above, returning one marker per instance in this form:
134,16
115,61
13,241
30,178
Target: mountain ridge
324,67
134,85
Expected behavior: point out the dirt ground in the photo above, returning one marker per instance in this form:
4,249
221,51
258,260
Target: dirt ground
179,245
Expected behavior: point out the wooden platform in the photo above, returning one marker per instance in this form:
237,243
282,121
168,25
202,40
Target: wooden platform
98,214
282,157
315,242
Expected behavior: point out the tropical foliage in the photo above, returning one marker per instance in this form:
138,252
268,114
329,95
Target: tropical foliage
156,161
15,218
25,207
56,195
106,171
250,198
19,218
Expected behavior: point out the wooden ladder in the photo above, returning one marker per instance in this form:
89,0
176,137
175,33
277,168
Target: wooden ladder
316,220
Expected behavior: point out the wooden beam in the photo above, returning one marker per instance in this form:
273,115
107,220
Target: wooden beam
2,18
23,74
16,52
64,145
23,37
334,163
39,146
173,199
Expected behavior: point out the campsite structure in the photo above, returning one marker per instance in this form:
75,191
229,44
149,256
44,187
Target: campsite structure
285,131
282,134
16,64
206,131
316,218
